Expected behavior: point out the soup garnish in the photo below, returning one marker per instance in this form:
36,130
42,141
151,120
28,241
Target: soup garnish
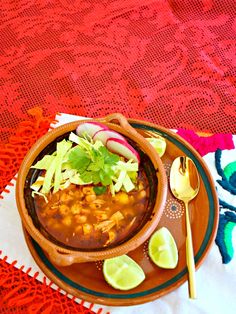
88,197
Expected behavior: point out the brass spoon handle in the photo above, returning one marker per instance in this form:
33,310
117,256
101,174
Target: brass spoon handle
190,257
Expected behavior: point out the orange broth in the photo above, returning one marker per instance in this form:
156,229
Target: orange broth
79,218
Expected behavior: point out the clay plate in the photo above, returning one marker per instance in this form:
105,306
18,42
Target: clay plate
85,280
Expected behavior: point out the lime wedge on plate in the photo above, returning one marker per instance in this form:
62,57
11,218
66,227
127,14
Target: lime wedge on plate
158,143
162,249
123,272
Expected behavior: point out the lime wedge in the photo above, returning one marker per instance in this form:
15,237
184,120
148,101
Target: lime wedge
158,143
162,249
123,272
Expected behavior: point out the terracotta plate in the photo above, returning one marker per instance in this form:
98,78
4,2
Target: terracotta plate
86,280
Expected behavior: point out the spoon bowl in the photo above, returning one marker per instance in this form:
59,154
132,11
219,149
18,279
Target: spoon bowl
184,179
185,184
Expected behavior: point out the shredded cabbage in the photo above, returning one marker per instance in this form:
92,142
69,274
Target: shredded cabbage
66,165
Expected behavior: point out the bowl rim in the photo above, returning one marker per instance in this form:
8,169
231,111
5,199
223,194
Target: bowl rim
64,256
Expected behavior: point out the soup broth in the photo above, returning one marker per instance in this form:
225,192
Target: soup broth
79,218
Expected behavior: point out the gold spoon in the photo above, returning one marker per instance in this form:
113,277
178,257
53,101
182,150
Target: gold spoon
184,184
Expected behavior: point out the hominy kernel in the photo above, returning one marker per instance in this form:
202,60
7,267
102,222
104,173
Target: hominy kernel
88,190
66,197
90,198
64,209
87,228
95,206
142,194
123,198
75,209
67,221
80,219
140,186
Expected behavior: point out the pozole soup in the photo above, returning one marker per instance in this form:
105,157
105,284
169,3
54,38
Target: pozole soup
92,191
79,218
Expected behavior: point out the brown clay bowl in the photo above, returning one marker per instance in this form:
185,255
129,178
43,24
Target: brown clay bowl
61,254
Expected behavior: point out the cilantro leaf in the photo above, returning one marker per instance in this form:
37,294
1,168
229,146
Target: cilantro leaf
97,164
79,159
99,190
104,177
109,158
96,177
86,176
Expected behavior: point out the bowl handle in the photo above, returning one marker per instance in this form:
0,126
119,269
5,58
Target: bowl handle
120,120
65,259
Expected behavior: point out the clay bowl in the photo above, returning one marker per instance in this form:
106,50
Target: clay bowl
61,254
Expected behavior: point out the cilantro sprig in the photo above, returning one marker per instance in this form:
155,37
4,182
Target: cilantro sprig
94,164
85,163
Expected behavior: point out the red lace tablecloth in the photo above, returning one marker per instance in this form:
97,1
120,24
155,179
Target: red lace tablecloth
170,62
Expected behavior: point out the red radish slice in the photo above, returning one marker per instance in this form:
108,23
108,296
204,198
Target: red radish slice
104,135
122,148
90,128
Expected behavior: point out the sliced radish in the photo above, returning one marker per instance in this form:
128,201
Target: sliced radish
104,135
122,148
90,128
